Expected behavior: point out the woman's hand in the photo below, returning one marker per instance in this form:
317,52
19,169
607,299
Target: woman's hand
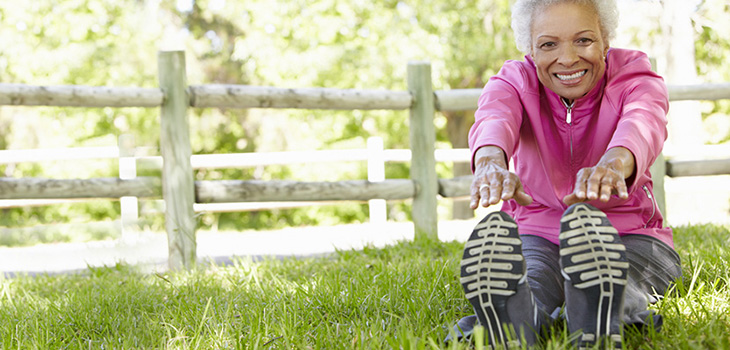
493,181
606,178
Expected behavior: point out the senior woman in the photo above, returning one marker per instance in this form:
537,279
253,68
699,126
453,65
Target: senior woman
582,123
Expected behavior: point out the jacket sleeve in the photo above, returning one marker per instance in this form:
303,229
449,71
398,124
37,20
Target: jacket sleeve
499,115
642,125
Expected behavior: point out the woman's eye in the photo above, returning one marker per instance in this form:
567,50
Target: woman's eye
548,44
585,41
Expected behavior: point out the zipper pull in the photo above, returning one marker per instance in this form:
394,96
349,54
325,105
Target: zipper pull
569,116
646,189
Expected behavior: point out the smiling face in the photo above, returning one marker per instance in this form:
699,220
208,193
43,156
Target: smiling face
568,49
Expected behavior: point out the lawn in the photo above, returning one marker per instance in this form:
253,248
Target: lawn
401,297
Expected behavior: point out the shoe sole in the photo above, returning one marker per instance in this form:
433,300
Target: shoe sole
491,269
593,259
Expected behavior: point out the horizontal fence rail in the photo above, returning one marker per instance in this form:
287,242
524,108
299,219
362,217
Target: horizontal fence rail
224,191
35,188
243,96
79,96
700,92
677,168
456,187
243,191
275,191
457,100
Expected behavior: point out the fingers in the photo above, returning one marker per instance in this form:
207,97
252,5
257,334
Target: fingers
597,183
572,199
518,192
475,194
476,190
485,193
497,186
623,190
522,198
495,192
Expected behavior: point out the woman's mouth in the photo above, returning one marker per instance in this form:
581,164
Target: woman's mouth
573,76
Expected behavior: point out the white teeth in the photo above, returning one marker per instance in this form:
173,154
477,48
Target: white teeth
572,76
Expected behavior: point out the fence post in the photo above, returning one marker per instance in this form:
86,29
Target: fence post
177,173
423,139
376,173
128,170
658,171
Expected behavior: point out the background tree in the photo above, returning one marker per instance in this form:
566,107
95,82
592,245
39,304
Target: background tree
284,43
84,42
712,49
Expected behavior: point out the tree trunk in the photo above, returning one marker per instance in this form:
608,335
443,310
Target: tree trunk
685,119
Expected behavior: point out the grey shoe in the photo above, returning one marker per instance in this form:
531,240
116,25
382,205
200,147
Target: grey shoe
494,278
593,261
463,329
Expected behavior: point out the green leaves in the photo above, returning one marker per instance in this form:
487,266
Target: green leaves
284,43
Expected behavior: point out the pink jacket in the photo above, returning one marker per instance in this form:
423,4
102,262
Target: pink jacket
549,144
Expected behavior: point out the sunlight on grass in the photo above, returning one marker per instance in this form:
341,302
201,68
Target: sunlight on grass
696,310
405,296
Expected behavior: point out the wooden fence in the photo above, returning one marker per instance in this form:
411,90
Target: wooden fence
180,192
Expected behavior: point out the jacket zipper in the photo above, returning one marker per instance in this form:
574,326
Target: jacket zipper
653,205
569,115
569,121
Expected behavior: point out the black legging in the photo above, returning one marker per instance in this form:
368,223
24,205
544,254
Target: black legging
653,266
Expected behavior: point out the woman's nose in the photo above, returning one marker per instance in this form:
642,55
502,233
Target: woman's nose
567,56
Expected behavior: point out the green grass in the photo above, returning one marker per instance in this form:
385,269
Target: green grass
402,297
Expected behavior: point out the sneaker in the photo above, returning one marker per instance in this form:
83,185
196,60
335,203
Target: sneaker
493,275
462,330
593,262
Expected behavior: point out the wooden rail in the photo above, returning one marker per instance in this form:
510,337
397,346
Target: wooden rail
243,96
274,191
79,96
706,92
181,193
216,191
34,188
677,168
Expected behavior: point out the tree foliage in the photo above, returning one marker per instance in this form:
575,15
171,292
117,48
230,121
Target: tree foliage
284,43
79,42
712,47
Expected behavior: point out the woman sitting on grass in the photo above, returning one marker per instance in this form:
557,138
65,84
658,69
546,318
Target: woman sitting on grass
583,123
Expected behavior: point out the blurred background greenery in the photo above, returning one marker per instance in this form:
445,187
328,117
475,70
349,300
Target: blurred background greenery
284,43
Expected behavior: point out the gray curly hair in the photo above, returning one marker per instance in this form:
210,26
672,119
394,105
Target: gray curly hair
524,10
